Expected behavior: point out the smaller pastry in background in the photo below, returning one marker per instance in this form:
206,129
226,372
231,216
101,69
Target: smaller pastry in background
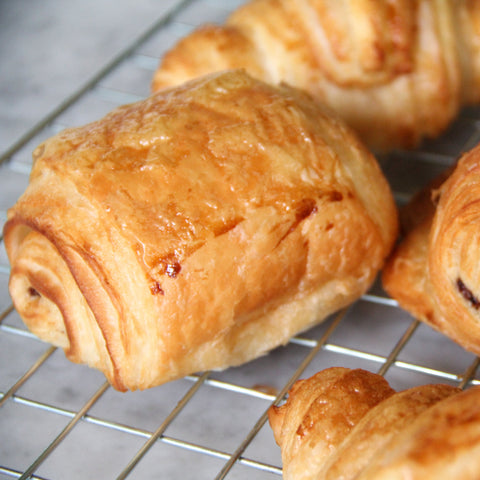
397,71
434,273
349,424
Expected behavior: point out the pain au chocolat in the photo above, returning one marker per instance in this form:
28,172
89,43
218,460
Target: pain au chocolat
196,229
433,273
349,424
397,71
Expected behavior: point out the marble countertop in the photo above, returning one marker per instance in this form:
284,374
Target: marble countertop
61,421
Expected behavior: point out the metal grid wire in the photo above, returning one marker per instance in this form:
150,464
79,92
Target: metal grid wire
59,420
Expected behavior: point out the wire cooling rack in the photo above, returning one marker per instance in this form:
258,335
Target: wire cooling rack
62,421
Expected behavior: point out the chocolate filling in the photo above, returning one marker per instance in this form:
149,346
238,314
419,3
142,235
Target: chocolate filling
33,293
467,294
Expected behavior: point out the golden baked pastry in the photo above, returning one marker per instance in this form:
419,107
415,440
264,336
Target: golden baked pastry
349,424
196,229
319,414
397,70
434,272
